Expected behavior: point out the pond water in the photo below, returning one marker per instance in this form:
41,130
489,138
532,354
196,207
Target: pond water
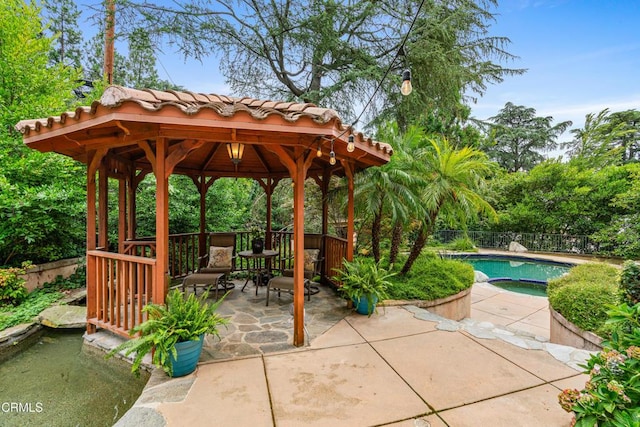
56,383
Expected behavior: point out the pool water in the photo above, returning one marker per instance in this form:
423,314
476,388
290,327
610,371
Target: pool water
56,383
519,275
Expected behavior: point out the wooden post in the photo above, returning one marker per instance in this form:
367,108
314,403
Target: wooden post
93,161
298,253
269,192
162,222
122,214
103,207
348,171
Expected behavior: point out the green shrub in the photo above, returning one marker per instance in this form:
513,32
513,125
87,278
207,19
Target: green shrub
462,244
630,282
585,294
431,278
12,289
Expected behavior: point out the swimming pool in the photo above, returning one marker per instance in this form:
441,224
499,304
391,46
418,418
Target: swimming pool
517,274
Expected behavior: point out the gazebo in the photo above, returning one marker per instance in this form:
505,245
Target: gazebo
130,133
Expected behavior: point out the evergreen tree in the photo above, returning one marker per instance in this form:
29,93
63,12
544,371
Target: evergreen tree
519,136
62,16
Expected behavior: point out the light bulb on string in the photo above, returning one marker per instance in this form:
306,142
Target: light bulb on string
351,146
332,158
406,87
319,151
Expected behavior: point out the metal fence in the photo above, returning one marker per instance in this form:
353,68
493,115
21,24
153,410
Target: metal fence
537,242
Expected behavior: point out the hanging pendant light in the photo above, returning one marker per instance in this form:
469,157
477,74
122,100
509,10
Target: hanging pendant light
235,150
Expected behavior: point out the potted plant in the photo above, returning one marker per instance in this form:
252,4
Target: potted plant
257,238
174,333
364,282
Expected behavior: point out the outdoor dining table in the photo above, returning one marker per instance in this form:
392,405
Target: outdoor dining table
259,266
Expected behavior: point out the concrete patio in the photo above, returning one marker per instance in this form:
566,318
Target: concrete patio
401,367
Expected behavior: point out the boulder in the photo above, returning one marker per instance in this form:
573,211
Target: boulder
516,247
480,277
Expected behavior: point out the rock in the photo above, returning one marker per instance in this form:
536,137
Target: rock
480,277
516,247
64,317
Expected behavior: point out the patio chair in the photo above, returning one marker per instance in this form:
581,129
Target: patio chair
220,258
312,268
312,259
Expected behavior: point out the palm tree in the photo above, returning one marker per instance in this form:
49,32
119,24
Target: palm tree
386,190
453,179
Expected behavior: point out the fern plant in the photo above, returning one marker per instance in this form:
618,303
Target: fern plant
180,319
364,278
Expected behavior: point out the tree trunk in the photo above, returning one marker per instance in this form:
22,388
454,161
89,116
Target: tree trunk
375,234
425,231
396,239
416,249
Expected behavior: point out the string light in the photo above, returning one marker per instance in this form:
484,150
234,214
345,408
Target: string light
351,146
406,87
319,152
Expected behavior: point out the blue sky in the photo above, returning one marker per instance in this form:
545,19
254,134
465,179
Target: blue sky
581,55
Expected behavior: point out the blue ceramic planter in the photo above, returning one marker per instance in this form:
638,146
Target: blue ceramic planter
188,353
362,305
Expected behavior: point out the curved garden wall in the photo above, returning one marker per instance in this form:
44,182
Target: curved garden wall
566,333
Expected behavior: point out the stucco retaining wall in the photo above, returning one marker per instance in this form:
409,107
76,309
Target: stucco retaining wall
566,333
40,274
454,307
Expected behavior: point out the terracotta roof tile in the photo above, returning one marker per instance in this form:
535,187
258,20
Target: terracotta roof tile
191,103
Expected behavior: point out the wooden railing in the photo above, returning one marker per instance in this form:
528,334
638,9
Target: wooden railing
335,252
184,256
122,286
144,248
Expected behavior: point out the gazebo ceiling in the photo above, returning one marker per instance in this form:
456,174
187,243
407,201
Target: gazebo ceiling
126,121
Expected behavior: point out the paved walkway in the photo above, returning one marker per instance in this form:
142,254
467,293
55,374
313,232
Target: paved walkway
402,367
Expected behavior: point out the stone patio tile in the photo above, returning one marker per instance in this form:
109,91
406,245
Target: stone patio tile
340,334
483,290
505,308
537,362
426,421
576,382
451,369
526,327
528,408
390,322
529,301
484,316
341,386
540,318
232,393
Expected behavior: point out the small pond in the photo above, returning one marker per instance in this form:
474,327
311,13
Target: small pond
518,274
57,383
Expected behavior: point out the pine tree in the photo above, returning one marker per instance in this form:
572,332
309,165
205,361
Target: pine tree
62,17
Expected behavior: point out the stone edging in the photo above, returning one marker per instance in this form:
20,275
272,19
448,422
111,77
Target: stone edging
564,332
